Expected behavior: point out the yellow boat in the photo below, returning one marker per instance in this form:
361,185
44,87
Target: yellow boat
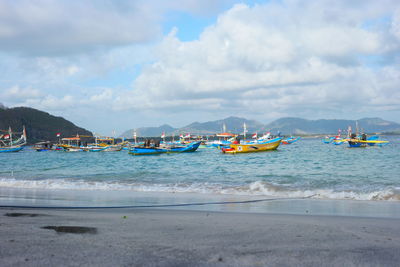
255,147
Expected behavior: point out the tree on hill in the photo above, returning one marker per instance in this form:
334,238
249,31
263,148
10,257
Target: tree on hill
39,125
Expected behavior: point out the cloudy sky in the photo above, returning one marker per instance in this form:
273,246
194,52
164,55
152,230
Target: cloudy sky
115,65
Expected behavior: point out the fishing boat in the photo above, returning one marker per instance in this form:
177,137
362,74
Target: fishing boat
94,148
44,146
147,151
107,144
156,150
338,141
7,144
290,140
364,141
71,144
11,148
182,149
328,139
256,147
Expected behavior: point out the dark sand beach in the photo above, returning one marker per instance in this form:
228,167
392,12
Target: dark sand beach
167,237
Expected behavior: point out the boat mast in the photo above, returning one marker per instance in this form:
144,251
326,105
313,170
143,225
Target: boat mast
134,136
10,133
356,128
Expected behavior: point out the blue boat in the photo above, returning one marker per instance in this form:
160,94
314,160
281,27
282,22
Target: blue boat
156,150
188,148
290,140
8,144
147,151
328,139
11,149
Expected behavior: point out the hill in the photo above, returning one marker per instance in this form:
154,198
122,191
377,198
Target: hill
233,124
286,126
323,126
39,125
149,131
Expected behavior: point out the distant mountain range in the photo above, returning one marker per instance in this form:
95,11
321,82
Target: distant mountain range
286,126
39,125
44,126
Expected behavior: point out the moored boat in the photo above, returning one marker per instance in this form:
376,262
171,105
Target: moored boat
7,144
256,147
182,149
328,140
11,148
290,140
156,150
147,151
364,141
44,146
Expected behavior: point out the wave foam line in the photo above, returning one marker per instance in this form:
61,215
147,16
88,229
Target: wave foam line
257,188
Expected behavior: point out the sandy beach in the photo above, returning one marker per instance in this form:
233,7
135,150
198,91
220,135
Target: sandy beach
165,237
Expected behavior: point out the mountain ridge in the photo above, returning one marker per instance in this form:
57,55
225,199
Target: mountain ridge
286,125
39,125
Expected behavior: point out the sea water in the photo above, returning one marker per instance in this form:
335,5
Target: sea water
305,169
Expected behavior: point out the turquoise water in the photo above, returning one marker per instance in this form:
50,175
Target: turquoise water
307,168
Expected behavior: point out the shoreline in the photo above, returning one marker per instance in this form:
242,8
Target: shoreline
262,204
170,237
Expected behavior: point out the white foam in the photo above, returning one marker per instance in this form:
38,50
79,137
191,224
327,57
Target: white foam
256,188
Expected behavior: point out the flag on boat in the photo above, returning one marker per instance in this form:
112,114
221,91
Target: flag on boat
187,135
163,135
254,136
58,134
181,136
6,136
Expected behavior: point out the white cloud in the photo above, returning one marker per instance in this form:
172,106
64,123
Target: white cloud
281,58
16,93
295,57
51,102
57,27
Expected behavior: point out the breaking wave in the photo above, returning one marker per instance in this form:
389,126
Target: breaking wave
258,188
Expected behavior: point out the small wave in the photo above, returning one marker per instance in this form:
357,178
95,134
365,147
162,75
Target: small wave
258,188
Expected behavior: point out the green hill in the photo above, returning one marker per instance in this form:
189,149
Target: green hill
286,126
39,125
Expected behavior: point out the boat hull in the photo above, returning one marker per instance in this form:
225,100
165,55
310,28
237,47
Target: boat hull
156,151
289,141
189,148
365,143
141,151
251,148
11,149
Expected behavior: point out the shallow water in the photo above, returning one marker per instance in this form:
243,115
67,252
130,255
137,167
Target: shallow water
307,168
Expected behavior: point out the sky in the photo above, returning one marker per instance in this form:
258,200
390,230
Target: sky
111,65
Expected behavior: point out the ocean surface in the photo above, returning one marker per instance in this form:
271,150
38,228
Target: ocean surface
308,168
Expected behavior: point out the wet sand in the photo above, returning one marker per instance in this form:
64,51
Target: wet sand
164,237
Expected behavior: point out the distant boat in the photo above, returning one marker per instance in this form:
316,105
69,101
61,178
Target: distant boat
107,144
71,144
44,146
328,140
7,144
364,141
167,149
290,140
188,148
11,148
255,147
